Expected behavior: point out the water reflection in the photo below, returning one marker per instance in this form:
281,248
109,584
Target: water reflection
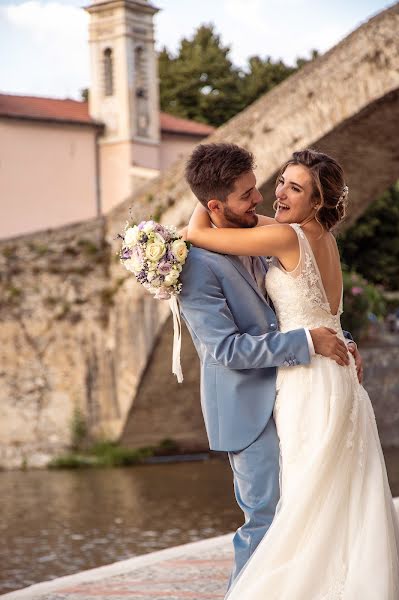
58,522
62,522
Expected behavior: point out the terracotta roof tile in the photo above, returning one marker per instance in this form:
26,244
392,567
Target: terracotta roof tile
73,111
171,124
34,107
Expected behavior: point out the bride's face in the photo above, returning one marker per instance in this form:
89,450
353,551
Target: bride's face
294,194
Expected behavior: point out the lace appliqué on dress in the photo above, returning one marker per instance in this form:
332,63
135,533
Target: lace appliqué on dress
309,277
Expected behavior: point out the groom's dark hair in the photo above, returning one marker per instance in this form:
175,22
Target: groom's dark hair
212,170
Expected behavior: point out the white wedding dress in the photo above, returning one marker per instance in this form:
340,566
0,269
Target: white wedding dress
335,535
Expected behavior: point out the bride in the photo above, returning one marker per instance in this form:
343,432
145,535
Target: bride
335,534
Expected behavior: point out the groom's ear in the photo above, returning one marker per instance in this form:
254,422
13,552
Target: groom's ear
214,205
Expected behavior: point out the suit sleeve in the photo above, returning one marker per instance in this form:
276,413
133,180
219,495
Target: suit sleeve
207,313
348,336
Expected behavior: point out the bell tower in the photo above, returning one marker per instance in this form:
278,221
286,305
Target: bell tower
124,94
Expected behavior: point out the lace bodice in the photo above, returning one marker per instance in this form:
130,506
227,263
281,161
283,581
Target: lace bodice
298,296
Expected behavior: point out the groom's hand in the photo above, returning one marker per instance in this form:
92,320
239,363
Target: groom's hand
326,343
352,347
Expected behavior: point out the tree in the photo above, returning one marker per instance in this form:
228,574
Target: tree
200,83
262,76
371,245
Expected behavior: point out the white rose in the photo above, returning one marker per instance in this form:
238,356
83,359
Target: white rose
158,237
151,275
131,236
149,226
132,265
179,249
171,278
155,250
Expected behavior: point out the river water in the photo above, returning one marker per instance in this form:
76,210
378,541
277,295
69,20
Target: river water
54,523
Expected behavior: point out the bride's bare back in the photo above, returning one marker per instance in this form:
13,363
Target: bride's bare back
325,251
327,258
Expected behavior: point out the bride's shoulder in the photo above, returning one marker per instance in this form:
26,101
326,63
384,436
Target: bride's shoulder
263,220
285,228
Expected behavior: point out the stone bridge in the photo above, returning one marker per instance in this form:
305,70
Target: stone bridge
346,103
111,358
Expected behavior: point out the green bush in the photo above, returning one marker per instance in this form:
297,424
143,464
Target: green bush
361,299
79,430
102,454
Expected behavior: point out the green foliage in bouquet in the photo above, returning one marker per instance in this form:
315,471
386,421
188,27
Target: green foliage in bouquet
361,299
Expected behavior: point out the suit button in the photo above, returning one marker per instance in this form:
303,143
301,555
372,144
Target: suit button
272,325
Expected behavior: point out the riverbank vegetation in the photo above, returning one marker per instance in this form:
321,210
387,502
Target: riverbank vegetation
111,454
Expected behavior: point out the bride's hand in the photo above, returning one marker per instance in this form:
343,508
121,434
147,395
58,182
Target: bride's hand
183,232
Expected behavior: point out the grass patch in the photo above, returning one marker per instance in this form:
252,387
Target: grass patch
102,454
110,454
89,247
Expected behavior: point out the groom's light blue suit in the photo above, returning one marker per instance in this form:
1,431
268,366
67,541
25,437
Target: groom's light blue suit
234,330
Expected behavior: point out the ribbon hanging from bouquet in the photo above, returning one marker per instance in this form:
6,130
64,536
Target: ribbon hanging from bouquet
176,363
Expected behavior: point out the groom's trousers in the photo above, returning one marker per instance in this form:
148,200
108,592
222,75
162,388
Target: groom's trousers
257,491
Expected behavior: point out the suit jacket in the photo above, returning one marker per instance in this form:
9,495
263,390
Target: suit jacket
235,333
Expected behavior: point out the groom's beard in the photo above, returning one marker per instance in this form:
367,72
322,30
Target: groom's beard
246,221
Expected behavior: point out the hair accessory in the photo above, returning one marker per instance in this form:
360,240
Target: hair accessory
343,196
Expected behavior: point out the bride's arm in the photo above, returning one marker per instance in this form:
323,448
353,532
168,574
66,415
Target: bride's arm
263,220
271,240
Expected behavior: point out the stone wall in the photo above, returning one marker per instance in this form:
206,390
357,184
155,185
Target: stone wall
75,335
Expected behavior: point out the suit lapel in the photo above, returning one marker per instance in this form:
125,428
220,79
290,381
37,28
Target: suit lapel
264,263
247,276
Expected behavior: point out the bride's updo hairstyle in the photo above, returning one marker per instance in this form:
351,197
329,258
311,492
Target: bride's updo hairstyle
329,190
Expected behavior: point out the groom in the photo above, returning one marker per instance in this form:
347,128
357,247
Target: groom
235,331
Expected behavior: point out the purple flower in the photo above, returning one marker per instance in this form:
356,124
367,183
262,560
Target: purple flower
164,267
126,253
163,232
138,254
142,276
356,290
170,257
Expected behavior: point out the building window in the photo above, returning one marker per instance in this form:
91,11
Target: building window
142,108
108,72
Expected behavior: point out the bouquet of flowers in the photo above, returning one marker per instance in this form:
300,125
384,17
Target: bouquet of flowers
155,254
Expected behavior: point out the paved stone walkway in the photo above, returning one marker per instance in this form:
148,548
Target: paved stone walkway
198,571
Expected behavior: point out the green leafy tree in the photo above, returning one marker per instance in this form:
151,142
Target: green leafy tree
201,82
262,75
371,246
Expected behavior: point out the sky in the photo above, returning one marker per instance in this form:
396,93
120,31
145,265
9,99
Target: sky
44,49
